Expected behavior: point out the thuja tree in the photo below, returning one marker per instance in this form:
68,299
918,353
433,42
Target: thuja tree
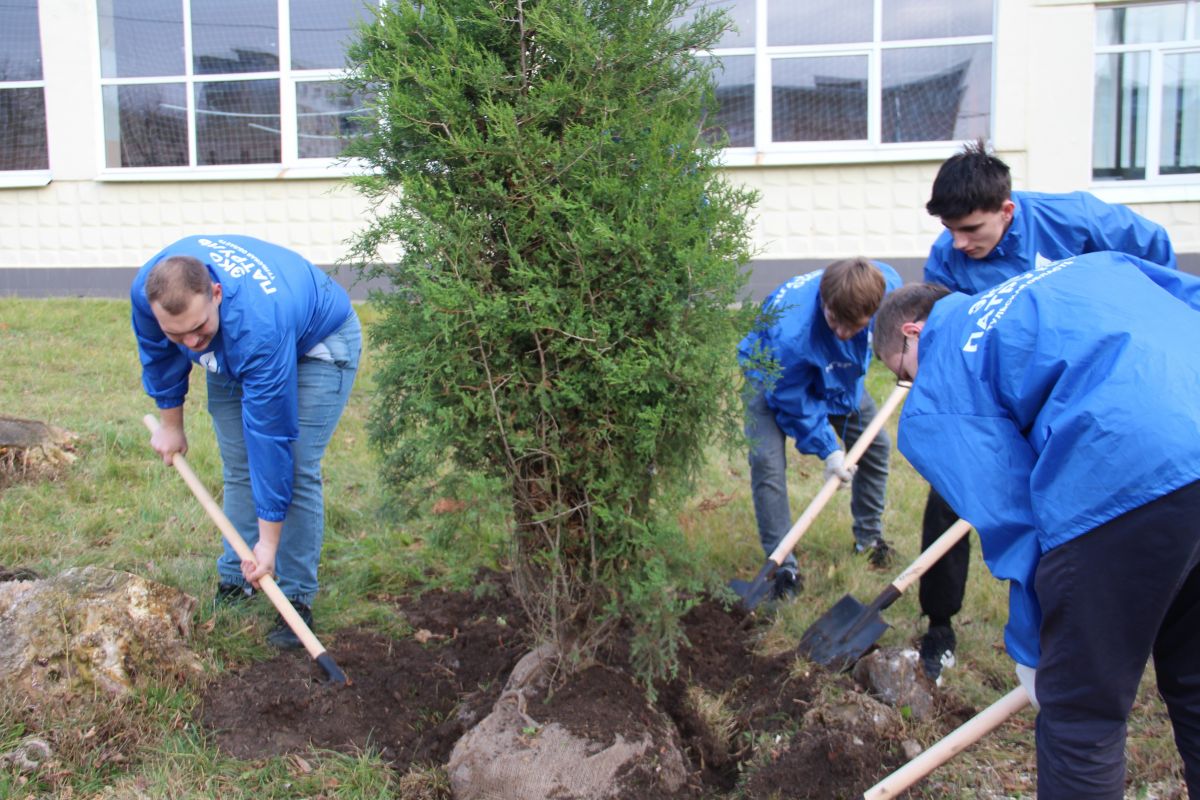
564,311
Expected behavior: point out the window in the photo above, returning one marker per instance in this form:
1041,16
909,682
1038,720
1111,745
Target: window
1147,102
207,83
852,74
22,96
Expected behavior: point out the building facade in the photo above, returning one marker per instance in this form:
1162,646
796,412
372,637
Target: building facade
125,124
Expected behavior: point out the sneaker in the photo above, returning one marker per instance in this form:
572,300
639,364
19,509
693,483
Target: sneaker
937,650
787,584
880,554
282,636
232,594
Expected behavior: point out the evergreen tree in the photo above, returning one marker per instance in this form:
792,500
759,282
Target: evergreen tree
565,311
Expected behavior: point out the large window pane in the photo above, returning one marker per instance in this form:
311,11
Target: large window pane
792,22
145,125
935,19
740,13
140,38
819,99
237,122
321,30
1140,24
1122,94
20,43
22,129
325,115
933,94
235,36
1180,149
734,114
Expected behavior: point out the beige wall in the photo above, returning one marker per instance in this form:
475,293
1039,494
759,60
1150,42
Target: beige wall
1042,119
833,211
85,223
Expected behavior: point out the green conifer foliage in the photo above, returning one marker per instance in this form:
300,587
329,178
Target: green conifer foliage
566,306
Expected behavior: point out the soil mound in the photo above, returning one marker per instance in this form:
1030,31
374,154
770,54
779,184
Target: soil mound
739,715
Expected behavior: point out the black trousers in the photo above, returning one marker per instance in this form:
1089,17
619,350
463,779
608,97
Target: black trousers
1110,599
943,586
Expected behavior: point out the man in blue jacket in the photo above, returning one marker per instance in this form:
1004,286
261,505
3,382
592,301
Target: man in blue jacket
805,364
1058,412
280,344
991,234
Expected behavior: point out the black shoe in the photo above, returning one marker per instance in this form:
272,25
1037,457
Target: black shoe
282,636
787,584
937,650
880,554
232,594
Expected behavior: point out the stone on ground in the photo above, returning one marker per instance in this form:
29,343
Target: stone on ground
511,756
90,629
893,676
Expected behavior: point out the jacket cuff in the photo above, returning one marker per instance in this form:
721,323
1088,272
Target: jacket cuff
270,516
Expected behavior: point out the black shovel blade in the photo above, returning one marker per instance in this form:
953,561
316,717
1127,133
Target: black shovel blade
842,635
333,673
754,592
750,593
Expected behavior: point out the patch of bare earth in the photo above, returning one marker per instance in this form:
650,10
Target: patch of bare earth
410,700
739,715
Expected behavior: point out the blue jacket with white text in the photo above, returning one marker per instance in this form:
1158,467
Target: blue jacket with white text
819,374
275,307
1053,403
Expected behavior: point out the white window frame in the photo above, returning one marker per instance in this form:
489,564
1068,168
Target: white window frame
764,152
1154,187
290,165
19,178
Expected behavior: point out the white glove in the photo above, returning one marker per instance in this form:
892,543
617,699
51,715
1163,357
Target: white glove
835,464
1028,677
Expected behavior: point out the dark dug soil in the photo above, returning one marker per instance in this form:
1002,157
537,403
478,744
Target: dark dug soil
412,699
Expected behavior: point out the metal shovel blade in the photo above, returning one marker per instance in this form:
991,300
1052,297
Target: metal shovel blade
754,592
842,635
750,593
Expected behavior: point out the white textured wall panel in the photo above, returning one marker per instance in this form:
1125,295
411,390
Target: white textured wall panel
91,224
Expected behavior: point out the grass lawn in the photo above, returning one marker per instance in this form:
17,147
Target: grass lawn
73,363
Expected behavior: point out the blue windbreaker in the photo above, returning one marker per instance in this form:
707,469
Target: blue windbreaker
1054,403
1045,228
819,373
275,307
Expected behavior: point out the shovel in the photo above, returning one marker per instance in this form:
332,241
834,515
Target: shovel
266,583
960,739
848,630
753,592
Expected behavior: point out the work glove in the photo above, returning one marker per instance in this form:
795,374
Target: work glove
835,464
1028,677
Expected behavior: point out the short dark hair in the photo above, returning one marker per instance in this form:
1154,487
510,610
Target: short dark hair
973,180
910,303
852,288
174,281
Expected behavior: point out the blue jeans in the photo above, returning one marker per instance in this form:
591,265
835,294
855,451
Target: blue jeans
768,473
324,384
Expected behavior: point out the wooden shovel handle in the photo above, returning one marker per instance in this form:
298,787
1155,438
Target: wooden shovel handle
266,583
960,739
788,543
931,555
